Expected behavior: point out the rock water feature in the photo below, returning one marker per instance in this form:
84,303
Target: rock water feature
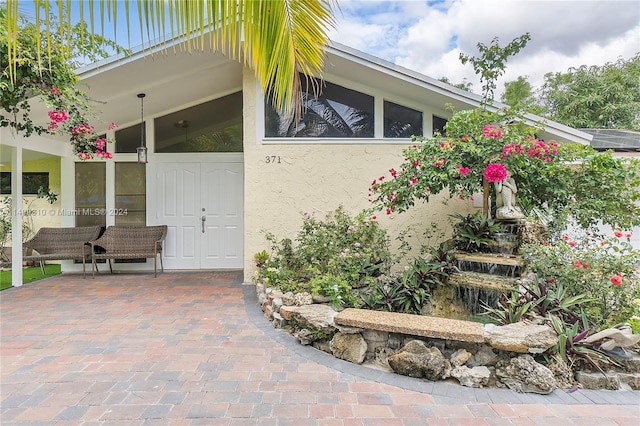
485,277
438,347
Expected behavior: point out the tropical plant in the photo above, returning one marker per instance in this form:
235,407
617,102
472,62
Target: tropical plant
473,233
408,292
571,347
275,39
261,258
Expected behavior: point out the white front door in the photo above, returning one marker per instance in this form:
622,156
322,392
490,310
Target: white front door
201,204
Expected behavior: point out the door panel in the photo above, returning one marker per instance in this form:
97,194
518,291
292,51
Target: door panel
189,192
177,196
222,193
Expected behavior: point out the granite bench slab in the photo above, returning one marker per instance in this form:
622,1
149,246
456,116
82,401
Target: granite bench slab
415,325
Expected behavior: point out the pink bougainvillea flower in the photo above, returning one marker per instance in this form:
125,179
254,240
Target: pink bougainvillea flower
577,264
491,131
495,172
112,126
616,279
439,162
52,126
572,243
463,170
100,143
628,235
58,115
83,129
393,172
618,233
55,91
565,237
416,163
512,149
374,217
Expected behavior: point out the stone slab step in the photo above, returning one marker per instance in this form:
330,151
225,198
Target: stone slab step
483,281
489,258
415,325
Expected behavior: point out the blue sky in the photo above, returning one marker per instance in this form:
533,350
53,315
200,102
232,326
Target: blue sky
428,36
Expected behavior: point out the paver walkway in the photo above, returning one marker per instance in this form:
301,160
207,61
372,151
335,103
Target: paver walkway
194,349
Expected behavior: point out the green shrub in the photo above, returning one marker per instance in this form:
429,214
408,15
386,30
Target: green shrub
607,271
353,249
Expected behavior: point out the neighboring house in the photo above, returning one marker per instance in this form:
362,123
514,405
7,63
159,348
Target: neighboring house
223,167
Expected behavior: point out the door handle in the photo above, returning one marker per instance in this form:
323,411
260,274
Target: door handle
204,219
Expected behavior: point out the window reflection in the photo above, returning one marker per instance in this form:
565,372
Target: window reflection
91,194
401,121
214,126
337,112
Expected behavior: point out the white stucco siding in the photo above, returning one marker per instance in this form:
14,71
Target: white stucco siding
282,181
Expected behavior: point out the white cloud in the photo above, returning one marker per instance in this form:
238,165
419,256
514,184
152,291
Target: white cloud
428,36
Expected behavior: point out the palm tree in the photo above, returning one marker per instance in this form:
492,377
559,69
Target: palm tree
277,39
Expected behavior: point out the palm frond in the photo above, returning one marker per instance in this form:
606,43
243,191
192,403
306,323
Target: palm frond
276,39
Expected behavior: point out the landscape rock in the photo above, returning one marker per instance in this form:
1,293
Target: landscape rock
524,374
417,360
304,298
476,377
289,299
598,380
520,337
484,356
459,357
305,337
350,347
381,355
315,317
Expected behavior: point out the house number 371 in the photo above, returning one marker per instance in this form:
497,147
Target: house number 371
272,159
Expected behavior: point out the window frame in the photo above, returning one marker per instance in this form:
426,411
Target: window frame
378,139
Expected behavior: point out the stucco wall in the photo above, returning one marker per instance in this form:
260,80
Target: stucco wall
42,214
317,178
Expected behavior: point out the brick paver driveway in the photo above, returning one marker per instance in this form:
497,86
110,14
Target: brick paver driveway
194,349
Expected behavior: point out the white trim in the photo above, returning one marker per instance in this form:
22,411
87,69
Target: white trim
335,141
16,217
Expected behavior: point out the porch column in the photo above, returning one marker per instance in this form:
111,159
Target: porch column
16,216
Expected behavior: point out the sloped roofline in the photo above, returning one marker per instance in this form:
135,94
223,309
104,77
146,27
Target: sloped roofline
364,59
430,83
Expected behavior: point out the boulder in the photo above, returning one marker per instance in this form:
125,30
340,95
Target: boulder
350,347
415,359
524,374
476,377
314,317
520,337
